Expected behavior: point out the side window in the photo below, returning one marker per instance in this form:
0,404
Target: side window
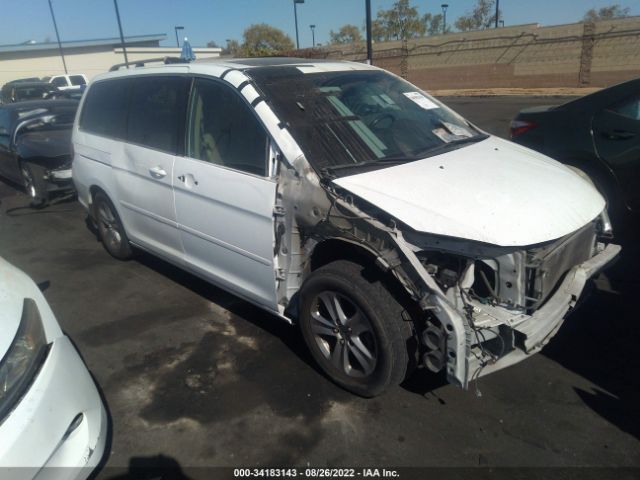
224,130
629,108
156,111
77,80
59,81
105,108
5,127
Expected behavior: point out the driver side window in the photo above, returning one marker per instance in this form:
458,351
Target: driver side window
222,129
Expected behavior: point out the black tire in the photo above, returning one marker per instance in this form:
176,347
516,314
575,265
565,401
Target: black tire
110,229
34,185
386,340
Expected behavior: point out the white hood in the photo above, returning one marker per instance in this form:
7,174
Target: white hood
493,192
15,286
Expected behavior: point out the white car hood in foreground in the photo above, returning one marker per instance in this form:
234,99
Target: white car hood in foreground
15,286
493,191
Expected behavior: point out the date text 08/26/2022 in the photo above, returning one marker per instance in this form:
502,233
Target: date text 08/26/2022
315,473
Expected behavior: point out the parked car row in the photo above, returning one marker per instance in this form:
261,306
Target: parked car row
59,86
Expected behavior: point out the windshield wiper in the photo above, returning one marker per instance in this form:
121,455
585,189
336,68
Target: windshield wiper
419,155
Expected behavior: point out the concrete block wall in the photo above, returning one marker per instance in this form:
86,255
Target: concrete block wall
525,56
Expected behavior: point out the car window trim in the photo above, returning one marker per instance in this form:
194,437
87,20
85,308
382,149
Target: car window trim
269,139
181,122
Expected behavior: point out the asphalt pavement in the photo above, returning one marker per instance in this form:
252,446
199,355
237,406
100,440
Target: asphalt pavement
194,376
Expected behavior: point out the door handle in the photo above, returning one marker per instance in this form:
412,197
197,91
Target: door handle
158,172
618,135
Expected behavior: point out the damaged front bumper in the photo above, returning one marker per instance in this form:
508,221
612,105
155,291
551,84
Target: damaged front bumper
529,332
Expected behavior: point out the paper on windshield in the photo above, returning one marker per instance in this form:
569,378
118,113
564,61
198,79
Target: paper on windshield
421,100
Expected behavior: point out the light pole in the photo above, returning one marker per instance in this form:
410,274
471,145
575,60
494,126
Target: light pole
124,47
497,12
369,42
444,17
313,35
55,26
295,16
177,38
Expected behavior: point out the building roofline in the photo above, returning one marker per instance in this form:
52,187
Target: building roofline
96,42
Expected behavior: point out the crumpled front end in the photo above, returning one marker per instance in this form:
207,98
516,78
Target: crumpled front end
492,307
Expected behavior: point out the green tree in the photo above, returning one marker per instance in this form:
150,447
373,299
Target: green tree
401,22
435,24
263,40
346,34
482,16
378,32
606,13
233,48
212,44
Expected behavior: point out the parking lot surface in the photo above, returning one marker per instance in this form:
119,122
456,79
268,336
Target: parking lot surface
195,375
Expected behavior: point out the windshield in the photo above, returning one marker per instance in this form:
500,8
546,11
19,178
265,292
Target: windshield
351,118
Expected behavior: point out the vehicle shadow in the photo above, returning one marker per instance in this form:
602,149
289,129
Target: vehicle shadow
288,334
599,341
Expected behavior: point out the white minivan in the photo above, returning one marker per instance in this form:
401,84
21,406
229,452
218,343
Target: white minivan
340,197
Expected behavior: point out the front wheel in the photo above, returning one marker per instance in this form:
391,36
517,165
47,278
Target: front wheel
110,228
33,186
354,329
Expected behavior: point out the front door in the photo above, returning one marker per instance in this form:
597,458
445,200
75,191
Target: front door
224,197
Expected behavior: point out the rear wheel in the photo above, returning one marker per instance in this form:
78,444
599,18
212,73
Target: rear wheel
354,329
110,228
34,187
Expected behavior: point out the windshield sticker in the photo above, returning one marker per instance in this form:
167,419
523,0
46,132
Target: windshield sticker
421,100
445,135
457,130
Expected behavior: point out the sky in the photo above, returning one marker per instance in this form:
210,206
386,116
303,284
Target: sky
218,20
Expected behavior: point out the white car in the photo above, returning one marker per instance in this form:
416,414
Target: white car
51,414
341,197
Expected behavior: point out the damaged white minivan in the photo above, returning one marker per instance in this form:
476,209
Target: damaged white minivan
340,197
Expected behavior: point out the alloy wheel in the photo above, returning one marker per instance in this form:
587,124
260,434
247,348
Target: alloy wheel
343,334
109,227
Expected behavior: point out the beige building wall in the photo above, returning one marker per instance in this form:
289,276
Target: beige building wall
90,61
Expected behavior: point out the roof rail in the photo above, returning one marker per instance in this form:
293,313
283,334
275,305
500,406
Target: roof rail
142,63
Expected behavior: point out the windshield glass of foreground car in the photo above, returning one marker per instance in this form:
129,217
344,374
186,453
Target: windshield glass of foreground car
350,119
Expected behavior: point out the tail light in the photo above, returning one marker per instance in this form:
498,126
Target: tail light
518,127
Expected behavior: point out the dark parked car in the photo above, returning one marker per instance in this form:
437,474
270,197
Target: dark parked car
19,90
597,133
35,146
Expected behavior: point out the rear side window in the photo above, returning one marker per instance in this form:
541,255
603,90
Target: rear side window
156,111
105,108
223,129
77,80
59,81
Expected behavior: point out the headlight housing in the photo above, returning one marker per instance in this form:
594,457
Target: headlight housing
22,361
